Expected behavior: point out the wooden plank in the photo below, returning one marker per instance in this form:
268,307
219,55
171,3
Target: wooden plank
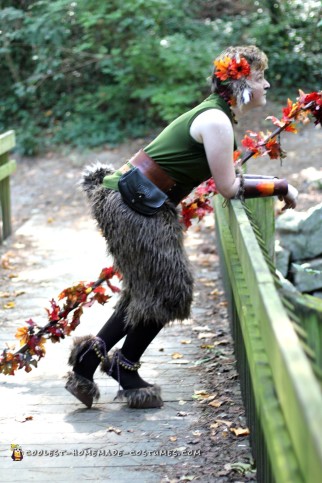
7,142
7,169
121,474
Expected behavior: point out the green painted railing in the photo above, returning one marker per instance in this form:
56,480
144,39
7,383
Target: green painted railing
7,167
276,348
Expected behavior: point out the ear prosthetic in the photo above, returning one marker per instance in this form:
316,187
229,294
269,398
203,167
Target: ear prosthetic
253,186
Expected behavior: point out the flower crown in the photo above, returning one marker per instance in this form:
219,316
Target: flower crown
228,68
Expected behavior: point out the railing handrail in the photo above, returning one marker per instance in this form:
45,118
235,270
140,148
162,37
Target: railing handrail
297,393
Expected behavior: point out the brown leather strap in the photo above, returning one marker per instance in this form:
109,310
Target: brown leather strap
153,171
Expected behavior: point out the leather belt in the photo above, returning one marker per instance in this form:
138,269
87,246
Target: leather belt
153,171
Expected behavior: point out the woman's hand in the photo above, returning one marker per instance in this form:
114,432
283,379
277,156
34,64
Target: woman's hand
289,199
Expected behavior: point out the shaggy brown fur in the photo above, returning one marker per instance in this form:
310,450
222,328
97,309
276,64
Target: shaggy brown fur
80,344
142,398
147,251
83,389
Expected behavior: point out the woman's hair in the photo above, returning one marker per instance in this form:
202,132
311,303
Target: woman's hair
238,90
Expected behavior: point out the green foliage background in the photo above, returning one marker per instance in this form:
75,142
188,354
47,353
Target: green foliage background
91,72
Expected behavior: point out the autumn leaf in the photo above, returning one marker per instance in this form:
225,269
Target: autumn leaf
5,260
112,429
23,335
177,355
185,342
240,431
24,419
9,305
215,404
202,392
173,438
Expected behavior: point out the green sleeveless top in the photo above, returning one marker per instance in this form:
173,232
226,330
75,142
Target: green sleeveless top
175,150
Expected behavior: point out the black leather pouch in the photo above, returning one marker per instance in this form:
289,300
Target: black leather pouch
140,194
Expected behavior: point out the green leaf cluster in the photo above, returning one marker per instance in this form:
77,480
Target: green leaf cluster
89,72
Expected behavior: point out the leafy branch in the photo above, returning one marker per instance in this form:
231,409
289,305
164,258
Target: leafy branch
32,337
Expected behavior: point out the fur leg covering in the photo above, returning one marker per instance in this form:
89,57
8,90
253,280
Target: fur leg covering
83,389
139,398
142,398
147,251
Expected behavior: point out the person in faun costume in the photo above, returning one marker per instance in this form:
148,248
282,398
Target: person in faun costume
135,208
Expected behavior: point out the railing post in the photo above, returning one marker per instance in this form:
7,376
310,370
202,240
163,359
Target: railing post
7,167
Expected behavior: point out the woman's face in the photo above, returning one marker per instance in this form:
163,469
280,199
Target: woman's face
259,86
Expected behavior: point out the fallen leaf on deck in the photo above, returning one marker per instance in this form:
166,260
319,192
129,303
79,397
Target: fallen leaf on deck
243,468
206,346
214,294
185,341
215,404
222,342
5,295
201,394
177,355
24,419
9,305
173,438
240,431
5,260
111,429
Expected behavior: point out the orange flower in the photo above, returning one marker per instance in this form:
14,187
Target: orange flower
239,69
222,66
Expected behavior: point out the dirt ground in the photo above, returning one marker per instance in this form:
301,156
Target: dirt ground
48,184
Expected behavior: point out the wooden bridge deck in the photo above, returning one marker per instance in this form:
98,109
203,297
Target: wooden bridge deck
61,440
